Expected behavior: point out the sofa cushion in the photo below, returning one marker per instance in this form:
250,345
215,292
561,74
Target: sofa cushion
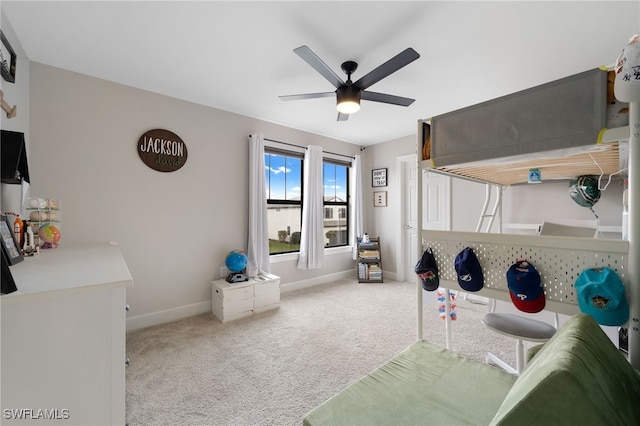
578,378
423,385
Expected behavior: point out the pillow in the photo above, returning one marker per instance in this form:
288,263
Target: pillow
577,377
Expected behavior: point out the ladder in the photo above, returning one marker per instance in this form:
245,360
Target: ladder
497,207
489,219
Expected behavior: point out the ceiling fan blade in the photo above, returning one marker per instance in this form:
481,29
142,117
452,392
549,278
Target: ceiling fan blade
387,99
342,117
316,63
392,65
307,96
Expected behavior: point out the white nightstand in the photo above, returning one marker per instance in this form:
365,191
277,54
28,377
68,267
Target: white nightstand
266,292
230,301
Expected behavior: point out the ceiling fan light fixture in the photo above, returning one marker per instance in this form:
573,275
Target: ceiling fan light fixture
348,99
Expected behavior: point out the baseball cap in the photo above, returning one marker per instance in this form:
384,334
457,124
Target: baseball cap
601,295
584,190
427,270
469,270
525,287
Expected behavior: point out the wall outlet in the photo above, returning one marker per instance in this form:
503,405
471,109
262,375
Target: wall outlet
224,272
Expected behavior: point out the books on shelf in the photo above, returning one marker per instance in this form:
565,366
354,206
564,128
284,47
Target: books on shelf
369,254
367,271
369,244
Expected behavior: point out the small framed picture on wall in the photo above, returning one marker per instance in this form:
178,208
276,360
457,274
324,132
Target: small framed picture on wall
378,177
380,199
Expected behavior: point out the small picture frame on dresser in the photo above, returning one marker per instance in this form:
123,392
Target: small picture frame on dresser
8,284
10,248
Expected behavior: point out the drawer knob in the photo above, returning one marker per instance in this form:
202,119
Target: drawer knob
127,362
126,308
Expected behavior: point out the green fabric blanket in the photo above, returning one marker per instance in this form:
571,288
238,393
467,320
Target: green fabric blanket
577,378
424,384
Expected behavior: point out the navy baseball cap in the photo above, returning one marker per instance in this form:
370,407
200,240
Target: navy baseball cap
469,270
525,287
427,270
601,295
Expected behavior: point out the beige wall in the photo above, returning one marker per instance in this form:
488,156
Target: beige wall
174,228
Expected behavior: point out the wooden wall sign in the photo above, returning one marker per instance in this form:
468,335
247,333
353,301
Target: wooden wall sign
162,150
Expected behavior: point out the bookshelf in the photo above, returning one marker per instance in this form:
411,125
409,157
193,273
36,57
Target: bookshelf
369,263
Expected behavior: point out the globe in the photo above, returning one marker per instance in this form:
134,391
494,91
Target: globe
49,235
236,261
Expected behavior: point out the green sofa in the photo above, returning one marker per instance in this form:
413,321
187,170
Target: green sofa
577,378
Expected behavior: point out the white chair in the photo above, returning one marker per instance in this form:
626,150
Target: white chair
521,329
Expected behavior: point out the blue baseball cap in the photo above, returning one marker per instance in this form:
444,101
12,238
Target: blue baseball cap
469,270
601,295
525,287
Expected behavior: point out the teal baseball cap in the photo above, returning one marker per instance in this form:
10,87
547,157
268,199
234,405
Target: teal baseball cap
601,294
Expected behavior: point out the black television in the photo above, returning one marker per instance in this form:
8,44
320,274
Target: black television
13,158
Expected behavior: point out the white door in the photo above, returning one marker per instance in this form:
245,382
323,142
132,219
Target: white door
409,222
436,203
435,211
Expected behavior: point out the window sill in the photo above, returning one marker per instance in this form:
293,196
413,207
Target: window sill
287,257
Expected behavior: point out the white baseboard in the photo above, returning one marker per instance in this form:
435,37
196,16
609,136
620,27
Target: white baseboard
168,315
297,285
174,314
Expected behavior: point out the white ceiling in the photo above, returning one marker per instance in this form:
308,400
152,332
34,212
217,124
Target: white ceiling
238,56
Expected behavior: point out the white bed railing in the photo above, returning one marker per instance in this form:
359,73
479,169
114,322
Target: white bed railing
559,261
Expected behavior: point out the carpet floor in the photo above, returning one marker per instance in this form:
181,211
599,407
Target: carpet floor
273,367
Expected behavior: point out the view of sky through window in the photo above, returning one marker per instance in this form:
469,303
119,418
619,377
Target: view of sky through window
283,177
335,182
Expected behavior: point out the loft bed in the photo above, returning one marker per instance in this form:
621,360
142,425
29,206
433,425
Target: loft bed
562,129
426,384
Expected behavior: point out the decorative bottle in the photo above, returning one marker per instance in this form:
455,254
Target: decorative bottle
18,230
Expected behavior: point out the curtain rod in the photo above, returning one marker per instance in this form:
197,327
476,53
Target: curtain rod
304,147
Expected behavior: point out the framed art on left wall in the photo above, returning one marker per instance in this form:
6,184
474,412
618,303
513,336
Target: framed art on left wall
7,60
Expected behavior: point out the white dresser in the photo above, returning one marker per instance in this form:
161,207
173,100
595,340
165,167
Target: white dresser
63,338
230,301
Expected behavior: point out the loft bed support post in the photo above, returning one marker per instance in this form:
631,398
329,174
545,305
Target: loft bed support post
419,248
634,234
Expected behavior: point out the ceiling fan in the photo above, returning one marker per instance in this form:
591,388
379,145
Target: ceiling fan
348,94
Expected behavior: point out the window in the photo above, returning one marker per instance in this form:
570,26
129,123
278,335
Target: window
336,205
283,176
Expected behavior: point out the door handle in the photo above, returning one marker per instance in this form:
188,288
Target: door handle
408,227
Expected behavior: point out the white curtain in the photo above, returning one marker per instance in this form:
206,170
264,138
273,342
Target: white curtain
258,244
358,224
312,235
